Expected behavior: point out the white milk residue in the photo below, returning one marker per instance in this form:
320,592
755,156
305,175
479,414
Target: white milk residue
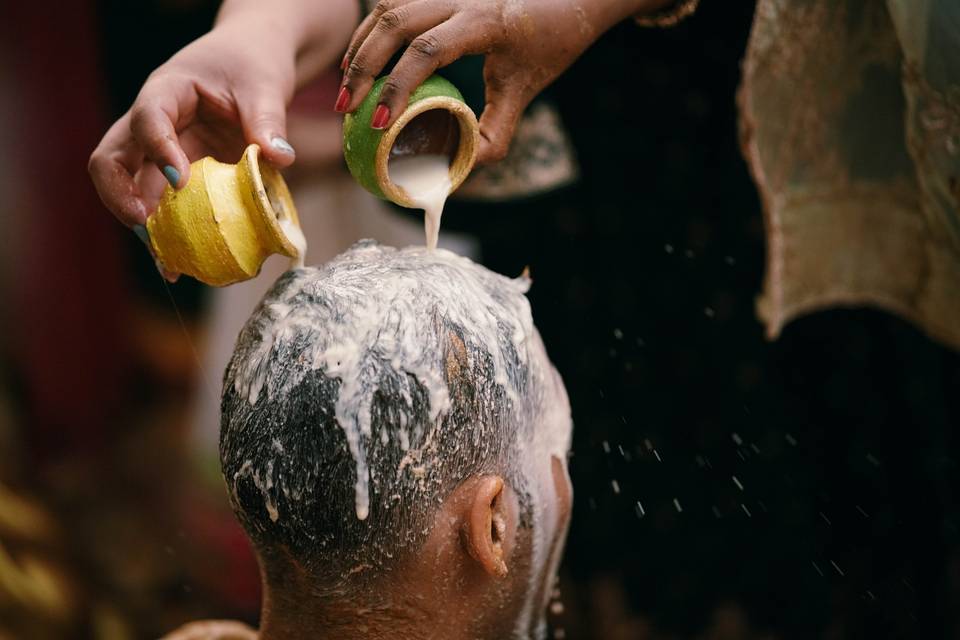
363,327
426,179
295,235
374,310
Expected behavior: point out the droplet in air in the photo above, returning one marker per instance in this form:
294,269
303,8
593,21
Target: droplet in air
737,482
736,438
707,311
616,486
676,503
618,334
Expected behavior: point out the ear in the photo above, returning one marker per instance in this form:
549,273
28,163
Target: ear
488,525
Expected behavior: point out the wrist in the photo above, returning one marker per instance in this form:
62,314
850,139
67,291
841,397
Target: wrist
303,26
248,23
613,12
667,16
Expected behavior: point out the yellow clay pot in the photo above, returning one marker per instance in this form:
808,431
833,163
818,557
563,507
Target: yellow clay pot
225,222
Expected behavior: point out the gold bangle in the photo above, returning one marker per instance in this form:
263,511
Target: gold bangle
670,16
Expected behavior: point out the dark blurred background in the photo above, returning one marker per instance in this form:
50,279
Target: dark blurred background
726,487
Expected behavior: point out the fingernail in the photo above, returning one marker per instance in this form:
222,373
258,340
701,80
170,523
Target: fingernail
343,99
344,63
380,116
282,145
172,175
141,232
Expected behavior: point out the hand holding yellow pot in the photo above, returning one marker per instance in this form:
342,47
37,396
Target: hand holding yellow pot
225,222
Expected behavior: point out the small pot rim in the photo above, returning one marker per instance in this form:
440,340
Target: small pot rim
261,177
463,159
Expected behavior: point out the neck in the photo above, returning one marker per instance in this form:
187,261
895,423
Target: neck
286,616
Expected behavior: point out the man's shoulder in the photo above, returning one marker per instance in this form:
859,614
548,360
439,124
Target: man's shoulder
213,630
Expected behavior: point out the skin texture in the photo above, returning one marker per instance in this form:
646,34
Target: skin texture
220,93
468,581
527,44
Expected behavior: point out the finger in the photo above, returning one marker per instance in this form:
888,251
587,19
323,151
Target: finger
499,120
113,167
429,51
150,184
359,35
263,116
366,26
158,111
392,30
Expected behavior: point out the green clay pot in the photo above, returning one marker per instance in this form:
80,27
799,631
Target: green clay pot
436,120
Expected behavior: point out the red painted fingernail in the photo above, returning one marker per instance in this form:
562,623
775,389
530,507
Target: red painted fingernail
344,63
343,99
380,116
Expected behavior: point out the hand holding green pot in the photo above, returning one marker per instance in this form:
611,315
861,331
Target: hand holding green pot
436,120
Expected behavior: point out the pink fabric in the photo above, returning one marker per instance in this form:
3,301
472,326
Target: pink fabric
67,307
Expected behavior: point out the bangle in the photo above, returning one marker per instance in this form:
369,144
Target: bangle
670,16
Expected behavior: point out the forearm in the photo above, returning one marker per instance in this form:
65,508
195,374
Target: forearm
313,31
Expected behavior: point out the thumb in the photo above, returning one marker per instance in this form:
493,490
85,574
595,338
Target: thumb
263,115
498,122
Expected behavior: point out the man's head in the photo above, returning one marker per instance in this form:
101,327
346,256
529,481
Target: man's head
394,436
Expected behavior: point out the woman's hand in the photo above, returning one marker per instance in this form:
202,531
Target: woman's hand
527,43
209,99
222,92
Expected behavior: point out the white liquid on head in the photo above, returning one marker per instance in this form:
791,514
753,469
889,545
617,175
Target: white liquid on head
390,323
295,235
426,179
380,309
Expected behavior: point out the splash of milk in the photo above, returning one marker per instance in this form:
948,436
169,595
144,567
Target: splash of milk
295,235
426,179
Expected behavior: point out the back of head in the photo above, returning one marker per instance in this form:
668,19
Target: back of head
362,392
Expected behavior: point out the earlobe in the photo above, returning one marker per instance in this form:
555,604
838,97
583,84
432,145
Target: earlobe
486,524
